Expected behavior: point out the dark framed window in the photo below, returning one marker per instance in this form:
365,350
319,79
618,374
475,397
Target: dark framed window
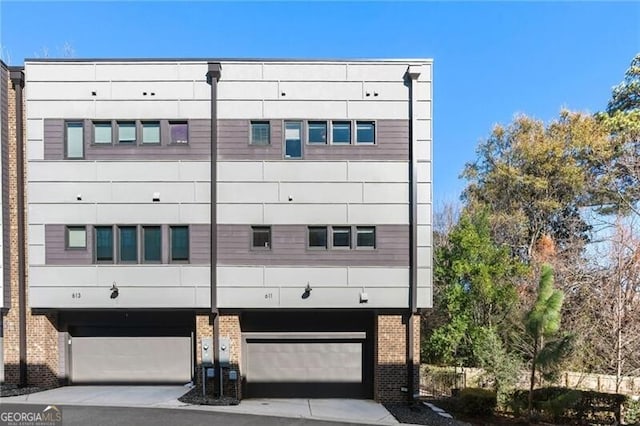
317,237
179,243
152,244
127,132
74,144
260,133
179,132
341,132
128,243
365,236
341,237
293,139
151,132
317,132
261,237
102,133
76,237
104,243
365,132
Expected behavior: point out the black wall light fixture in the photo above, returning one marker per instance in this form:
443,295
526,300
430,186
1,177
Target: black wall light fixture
115,292
307,291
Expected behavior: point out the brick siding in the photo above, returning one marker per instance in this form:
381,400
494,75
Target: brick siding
42,336
390,357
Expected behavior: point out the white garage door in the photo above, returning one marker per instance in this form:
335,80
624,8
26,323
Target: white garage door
154,359
304,364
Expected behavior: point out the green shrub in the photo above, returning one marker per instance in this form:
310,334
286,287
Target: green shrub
631,413
556,403
477,401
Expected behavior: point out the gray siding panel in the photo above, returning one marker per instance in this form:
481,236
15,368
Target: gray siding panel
233,141
198,147
53,139
4,153
289,247
56,253
392,143
233,144
200,244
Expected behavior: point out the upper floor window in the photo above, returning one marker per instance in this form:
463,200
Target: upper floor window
127,132
365,132
365,237
261,237
179,243
341,236
151,132
317,237
260,133
104,243
74,146
128,247
76,237
317,132
179,132
341,132
293,139
102,133
152,244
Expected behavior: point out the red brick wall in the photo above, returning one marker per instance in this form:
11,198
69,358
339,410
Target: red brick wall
390,358
42,336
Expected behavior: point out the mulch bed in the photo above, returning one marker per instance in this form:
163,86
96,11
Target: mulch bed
14,390
420,415
195,397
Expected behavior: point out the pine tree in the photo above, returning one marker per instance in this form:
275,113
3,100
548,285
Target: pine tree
542,324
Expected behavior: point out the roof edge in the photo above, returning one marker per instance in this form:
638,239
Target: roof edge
301,60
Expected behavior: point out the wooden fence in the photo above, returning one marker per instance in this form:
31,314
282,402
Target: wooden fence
438,381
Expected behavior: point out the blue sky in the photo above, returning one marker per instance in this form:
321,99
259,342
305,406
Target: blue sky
492,60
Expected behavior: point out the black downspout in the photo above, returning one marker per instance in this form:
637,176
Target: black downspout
213,75
413,239
17,78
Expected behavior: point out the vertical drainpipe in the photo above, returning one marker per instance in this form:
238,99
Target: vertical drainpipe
17,78
413,73
213,75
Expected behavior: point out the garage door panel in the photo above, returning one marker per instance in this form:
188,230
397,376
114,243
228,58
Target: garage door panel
131,359
318,362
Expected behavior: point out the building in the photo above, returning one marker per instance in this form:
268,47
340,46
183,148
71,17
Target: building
322,220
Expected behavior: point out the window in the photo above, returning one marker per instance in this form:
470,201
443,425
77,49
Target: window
261,237
341,237
75,140
104,244
127,132
179,132
76,237
179,243
152,244
260,133
365,237
318,237
293,139
102,133
317,132
341,132
151,132
365,132
128,239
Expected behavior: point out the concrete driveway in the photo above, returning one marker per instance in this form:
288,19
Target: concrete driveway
118,396
342,410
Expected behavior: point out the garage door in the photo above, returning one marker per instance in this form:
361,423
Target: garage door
131,359
318,365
